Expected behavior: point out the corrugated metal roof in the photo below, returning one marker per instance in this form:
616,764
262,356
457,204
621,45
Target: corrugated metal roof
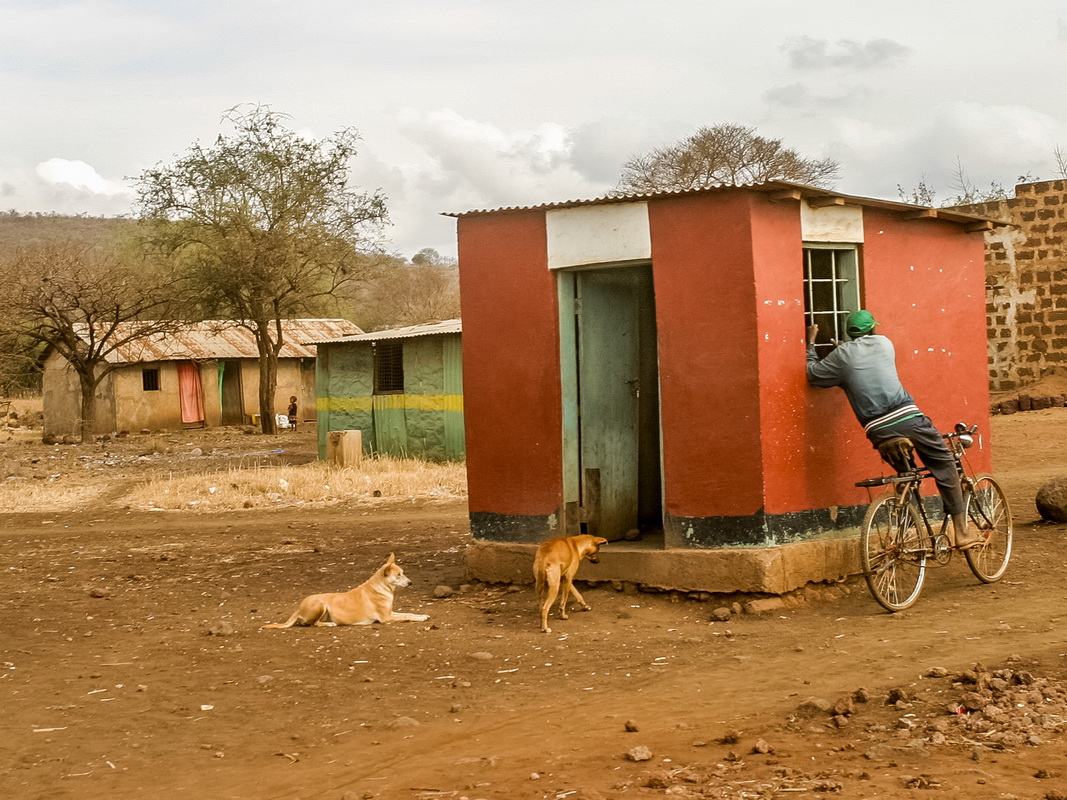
426,329
787,189
223,339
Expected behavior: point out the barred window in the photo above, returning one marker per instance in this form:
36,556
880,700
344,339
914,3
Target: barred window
388,367
150,379
831,291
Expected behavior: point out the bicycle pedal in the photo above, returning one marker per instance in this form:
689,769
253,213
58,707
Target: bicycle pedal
942,549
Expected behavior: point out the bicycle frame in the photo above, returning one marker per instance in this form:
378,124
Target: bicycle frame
897,538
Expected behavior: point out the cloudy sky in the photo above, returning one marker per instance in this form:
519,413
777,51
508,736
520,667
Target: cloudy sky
486,103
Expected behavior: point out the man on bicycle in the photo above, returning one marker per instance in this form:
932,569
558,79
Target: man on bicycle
866,369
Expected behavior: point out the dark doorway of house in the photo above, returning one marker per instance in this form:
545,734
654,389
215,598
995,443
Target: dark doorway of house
230,393
618,402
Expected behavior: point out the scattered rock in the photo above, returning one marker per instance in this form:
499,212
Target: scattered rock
762,747
764,605
936,672
639,753
631,726
814,707
404,722
481,656
844,707
660,779
443,591
222,628
722,614
897,695
1051,500
96,591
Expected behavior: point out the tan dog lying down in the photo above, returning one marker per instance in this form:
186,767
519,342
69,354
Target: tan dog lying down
555,563
371,601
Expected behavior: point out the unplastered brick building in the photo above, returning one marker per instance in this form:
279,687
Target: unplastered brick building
1026,294
634,369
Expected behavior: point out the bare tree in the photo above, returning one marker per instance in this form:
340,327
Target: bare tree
264,221
725,154
85,302
1061,162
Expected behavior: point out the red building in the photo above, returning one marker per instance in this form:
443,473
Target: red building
634,367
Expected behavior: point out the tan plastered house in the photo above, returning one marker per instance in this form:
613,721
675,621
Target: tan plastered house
203,376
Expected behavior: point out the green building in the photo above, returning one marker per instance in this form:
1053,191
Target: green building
403,388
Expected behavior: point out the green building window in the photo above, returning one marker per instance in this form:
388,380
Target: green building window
388,367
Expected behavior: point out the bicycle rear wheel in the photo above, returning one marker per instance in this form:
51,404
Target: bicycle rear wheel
894,547
988,508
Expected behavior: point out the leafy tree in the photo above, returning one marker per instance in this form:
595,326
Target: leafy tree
265,223
725,154
426,289
967,192
922,195
84,301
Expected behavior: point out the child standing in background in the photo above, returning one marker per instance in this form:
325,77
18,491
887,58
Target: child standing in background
292,412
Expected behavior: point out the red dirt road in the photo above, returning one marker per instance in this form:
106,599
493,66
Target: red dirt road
114,685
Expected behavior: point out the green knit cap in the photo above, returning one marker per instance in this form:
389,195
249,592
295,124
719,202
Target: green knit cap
859,323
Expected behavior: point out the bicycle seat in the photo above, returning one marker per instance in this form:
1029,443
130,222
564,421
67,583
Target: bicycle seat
899,453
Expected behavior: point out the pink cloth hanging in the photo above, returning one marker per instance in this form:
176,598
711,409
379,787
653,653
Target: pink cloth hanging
192,396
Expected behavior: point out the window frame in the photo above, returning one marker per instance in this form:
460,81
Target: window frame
388,356
150,375
841,307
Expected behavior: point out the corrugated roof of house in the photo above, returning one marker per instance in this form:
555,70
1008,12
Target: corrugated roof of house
779,190
425,329
223,339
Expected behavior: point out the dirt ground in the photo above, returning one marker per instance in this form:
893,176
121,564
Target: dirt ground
133,665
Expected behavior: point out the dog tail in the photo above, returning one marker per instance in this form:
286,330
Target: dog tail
540,578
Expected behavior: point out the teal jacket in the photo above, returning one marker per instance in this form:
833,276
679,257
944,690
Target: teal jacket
866,369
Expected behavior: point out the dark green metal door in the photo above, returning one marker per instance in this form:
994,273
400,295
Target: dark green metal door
608,308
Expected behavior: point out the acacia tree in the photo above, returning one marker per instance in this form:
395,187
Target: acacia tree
265,223
85,302
725,154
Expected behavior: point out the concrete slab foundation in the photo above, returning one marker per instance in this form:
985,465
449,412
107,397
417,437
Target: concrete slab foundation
772,570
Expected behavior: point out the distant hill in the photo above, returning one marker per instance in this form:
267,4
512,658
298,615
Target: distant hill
22,229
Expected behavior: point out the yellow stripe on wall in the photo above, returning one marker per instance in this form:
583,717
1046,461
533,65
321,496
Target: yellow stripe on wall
343,405
414,402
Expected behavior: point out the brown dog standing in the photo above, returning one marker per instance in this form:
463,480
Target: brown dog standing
556,563
371,601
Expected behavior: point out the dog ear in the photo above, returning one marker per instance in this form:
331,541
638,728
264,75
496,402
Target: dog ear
391,559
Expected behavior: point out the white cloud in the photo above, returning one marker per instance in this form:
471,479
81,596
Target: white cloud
64,187
804,52
992,142
77,175
799,96
456,164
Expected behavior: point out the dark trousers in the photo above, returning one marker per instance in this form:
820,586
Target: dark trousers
934,453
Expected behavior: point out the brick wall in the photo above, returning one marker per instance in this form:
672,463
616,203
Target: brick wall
1026,284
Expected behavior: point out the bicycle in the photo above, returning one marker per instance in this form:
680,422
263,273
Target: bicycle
897,539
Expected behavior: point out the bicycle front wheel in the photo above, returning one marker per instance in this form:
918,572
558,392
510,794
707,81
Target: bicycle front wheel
988,509
894,547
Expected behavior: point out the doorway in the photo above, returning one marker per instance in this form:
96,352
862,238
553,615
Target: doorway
231,408
612,464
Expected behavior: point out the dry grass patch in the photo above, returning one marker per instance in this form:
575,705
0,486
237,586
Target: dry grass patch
310,484
32,496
